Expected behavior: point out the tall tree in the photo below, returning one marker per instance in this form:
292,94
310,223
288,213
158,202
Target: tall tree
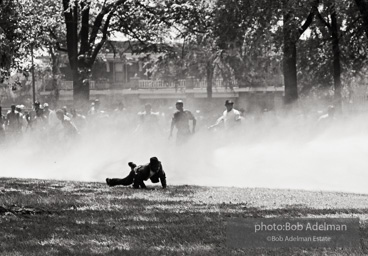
89,24
334,53
82,39
334,28
292,31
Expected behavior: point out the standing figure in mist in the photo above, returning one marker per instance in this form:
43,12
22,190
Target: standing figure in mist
37,119
327,119
69,128
13,124
180,120
22,118
138,174
46,110
96,116
149,121
95,110
50,116
95,105
330,115
78,119
231,118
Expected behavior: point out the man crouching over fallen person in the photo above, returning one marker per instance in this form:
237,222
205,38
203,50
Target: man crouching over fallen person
140,173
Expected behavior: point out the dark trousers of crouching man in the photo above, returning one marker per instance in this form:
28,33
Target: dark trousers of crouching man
141,173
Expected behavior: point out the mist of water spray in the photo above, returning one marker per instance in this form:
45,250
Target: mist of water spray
282,152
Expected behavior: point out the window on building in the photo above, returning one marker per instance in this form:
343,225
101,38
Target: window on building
119,72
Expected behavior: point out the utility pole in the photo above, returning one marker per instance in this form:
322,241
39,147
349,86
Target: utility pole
33,77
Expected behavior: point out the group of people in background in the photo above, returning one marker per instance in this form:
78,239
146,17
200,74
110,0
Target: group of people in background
69,123
66,124
19,120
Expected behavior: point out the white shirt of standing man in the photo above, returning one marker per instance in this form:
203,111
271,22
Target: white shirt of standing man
231,117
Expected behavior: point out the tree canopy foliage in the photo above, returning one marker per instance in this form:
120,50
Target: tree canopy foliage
311,44
9,33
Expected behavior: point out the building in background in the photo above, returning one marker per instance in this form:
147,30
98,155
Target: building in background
124,77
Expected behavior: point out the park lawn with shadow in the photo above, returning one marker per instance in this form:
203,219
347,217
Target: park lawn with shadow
50,217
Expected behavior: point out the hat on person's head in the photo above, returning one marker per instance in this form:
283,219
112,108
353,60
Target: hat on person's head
45,105
229,102
154,162
37,103
179,102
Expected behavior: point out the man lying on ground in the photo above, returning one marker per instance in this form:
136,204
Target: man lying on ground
138,174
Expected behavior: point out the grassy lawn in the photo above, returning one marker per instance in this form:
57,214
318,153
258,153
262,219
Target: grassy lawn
47,217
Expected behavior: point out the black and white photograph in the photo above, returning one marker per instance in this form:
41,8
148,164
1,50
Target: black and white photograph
183,127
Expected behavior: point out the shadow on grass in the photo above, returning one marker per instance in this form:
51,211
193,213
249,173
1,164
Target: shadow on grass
93,219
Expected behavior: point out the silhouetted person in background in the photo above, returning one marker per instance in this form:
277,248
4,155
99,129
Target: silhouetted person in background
97,116
22,118
180,120
329,116
37,119
78,119
38,110
46,110
50,115
138,174
70,129
95,108
324,121
120,107
149,121
65,109
13,124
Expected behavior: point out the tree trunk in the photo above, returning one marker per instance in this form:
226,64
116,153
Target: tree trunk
336,60
71,21
81,87
291,34
78,33
289,62
209,70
